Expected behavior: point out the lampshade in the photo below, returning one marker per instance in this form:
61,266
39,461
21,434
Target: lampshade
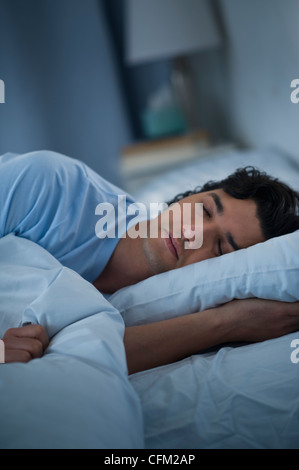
160,29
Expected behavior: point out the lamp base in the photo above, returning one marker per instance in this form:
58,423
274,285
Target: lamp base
183,89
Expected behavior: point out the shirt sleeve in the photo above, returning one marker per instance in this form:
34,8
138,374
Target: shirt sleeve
36,192
50,199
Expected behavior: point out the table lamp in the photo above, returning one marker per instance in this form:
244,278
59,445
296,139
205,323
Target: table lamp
171,29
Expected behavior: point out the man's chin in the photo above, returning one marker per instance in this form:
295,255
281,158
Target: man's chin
155,253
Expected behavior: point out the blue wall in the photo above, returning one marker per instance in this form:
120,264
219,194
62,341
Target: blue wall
63,91
263,59
67,88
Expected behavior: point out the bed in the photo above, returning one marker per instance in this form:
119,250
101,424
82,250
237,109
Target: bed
236,396
233,396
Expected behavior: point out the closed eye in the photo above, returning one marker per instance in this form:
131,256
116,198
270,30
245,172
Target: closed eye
206,211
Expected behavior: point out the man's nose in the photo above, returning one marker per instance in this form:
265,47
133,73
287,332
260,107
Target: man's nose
201,234
189,232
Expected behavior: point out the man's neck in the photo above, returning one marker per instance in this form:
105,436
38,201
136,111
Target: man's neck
125,267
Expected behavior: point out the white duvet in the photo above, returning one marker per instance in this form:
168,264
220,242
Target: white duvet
78,395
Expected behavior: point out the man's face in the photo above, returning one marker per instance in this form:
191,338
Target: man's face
227,224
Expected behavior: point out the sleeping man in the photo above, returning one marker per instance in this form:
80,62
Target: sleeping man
52,200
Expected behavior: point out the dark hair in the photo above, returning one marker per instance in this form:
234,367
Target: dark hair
277,204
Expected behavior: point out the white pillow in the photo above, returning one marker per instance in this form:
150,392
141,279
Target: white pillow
78,394
268,270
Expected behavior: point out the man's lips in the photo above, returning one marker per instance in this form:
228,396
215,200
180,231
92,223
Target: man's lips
172,246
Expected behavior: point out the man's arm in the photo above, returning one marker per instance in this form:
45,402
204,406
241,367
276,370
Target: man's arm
156,344
250,320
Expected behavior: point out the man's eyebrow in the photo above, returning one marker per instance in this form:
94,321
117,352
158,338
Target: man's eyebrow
228,235
218,203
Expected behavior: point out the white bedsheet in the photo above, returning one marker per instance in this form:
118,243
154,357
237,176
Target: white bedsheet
242,397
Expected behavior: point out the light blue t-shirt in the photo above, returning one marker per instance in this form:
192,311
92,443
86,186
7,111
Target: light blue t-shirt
51,199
